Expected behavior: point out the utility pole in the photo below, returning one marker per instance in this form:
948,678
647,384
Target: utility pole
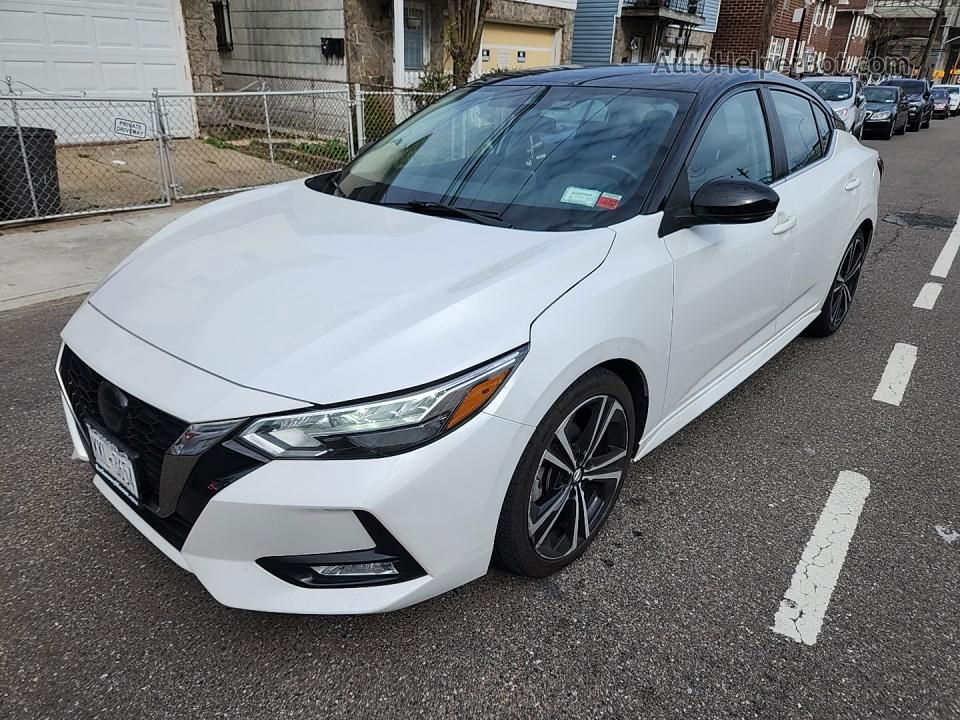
934,32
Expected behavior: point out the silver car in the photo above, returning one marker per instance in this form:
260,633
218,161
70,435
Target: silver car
845,95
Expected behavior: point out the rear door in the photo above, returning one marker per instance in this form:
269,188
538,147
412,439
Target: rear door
826,193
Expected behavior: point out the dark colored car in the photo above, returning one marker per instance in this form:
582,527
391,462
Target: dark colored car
888,111
920,99
941,103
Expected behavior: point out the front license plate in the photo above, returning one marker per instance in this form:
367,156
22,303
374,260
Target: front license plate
114,464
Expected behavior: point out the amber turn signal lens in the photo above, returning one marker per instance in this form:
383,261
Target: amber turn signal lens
477,397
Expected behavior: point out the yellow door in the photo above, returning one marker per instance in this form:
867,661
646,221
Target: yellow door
515,47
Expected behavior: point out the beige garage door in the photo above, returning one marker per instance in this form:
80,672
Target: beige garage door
518,46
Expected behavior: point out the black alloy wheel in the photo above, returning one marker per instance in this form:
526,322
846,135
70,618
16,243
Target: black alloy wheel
578,478
569,477
844,287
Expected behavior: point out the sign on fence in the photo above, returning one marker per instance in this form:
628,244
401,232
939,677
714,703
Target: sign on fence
130,128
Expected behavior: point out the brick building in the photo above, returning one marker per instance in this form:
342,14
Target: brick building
790,34
848,40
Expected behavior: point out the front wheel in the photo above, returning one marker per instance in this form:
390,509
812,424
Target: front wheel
568,478
844,287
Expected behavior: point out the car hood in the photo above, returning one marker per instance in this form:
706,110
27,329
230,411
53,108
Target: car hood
323,299
880,107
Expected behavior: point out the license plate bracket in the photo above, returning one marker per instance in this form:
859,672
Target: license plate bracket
114,463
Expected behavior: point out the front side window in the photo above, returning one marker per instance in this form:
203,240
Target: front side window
536,157
800,133
734,144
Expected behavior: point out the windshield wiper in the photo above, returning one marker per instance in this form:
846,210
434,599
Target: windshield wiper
335,182
483,217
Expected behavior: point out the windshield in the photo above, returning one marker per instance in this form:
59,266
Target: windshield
831,90
913,87
941,95
951,89
537,158
880,94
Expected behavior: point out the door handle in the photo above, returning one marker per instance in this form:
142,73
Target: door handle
785,224
852,184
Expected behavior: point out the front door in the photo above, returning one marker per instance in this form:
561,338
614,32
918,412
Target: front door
729,280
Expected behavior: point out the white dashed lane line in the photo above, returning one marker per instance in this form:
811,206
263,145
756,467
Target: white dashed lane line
942,266
896,375
804,605
928,296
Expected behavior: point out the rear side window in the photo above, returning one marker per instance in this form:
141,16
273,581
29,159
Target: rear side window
800,133
734,144
824,126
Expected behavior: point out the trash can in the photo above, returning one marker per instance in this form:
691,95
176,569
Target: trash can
40,146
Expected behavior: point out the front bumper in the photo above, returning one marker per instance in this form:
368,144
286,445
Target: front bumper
440,503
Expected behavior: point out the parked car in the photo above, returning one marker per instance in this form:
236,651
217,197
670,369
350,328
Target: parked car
845,95
954,92
920,99
348,394
888,111
941,103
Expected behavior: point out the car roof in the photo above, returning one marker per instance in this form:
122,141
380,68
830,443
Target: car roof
661,76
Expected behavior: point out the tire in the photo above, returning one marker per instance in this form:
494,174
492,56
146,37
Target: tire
541,528
915,126
893,124
927,123
903,129
842,290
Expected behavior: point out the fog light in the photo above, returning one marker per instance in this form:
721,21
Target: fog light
367,569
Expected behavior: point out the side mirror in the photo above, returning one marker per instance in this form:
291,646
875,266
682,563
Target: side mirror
860,99
733,201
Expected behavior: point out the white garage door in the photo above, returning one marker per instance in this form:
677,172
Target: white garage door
105,48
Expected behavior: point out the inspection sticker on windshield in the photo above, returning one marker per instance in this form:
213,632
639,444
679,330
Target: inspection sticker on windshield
580,196
609,201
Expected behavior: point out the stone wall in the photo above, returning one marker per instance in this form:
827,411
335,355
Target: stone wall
201,33
369,40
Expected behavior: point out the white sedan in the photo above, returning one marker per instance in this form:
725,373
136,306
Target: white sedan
348,394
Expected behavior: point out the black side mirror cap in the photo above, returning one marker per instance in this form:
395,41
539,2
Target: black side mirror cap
728,201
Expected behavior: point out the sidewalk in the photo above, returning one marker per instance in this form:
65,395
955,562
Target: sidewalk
46,261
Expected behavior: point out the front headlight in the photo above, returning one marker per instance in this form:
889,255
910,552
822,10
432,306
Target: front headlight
882,115
382,427
842,112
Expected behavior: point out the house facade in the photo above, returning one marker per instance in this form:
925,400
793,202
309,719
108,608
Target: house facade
386,42
643,31
793,35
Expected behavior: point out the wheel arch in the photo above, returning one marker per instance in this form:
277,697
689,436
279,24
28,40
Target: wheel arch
636,382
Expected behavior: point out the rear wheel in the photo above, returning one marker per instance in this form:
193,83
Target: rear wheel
844,287
568,478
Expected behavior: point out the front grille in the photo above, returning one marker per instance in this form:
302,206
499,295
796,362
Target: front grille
148,432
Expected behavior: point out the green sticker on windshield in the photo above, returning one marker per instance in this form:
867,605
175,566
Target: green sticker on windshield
580,196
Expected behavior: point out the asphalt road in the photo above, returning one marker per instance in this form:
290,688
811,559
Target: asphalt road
668,615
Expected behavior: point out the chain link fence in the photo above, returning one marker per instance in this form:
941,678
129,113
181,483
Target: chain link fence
72,156
247,139
66,156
